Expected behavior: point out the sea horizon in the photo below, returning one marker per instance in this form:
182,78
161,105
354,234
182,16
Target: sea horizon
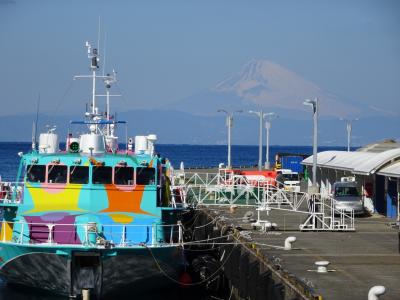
192,156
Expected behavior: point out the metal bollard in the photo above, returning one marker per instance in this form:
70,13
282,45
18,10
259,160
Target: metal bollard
232,208
322,266
375,292
289,241
85,294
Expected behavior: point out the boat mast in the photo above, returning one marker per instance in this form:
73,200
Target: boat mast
94,65
108,80
93,56
35,125
98,118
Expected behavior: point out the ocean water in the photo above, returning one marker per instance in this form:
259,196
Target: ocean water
193,156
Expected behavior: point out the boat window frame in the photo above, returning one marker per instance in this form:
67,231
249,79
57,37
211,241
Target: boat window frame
29,167
154,178
133,175
74,167
48,170
108,167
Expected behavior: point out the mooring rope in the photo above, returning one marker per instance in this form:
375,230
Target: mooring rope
206,240
212,221
230,295
188,284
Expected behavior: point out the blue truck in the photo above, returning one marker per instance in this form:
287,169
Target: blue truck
290,161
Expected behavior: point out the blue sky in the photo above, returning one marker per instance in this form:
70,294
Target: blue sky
167,50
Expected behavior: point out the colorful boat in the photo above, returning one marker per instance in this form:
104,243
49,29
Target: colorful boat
91,217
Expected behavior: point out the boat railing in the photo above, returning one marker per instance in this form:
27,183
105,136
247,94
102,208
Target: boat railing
11,192
92,234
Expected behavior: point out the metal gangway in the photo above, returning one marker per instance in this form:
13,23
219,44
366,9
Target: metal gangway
10,192
229,189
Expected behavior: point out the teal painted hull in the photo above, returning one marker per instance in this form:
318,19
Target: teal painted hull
69,270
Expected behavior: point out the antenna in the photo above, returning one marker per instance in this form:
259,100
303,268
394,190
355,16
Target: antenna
33,135
35,124
93,56
98,34
104,56
89,50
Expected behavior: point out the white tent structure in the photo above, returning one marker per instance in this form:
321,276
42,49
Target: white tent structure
392,170
362,163
372,171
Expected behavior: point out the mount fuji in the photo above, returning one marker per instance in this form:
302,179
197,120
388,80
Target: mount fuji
261,84
271,87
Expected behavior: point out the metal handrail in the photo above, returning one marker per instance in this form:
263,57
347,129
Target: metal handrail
234,189
93,234
11,192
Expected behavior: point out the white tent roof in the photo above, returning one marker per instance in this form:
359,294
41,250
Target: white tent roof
392,170
363,163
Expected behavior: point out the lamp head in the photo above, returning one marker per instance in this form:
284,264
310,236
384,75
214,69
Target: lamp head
271,115
255,112
309,102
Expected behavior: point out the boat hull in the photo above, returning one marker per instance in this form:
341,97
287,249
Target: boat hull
103,271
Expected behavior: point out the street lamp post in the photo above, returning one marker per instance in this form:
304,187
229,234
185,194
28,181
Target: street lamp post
268,117
229,119
261,117
314,104
349,128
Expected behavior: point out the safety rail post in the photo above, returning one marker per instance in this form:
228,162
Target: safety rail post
50,236
173,200
21,234
180,235
332,212
342,217
123,236
3,229
200,199
153,234
86,226
171,236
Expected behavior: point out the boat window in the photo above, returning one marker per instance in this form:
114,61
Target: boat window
79,175
145,176
123,175
36,173
57,174
102,175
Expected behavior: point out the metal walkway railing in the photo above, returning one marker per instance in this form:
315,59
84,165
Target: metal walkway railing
11,192
219,189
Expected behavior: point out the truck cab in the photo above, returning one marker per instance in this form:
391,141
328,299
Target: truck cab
289,179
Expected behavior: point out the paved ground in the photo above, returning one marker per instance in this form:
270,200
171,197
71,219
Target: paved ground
359,260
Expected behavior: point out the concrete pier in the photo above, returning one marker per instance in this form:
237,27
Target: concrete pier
258,267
